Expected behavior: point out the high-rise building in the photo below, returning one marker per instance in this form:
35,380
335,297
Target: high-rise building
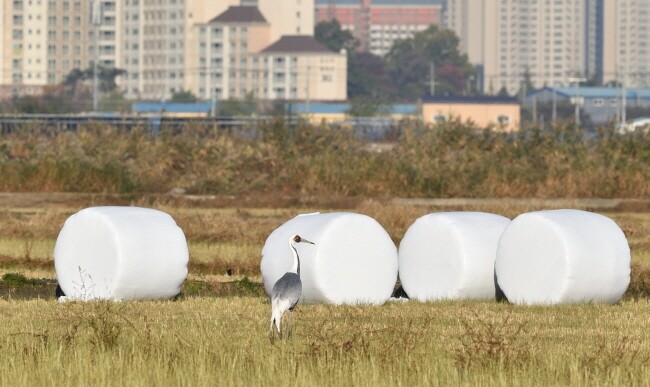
3,57
154,48
595,30
161,41
377,24
626,42
514,40
42,41
288,17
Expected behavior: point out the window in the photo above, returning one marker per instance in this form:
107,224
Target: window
598,102
503,119
439,118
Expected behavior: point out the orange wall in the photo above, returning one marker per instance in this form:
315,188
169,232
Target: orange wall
483,115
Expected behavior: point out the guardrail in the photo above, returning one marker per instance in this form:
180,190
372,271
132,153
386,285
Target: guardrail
368,128
10,123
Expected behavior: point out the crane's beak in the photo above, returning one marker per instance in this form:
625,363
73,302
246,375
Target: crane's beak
306,241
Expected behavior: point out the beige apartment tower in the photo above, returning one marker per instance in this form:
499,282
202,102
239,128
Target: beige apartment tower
43,40
626,42
288,17
544,40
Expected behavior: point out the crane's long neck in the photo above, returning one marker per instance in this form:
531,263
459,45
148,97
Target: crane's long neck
296,261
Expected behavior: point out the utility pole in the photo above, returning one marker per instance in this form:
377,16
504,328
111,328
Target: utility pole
432,79
96,21
554,113
214,98
624,100
576,98
308,107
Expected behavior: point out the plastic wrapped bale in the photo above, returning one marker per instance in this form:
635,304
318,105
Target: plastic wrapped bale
352,261
563,256
450,255
120,253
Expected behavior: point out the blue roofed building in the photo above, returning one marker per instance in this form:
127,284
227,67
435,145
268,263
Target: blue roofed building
603,104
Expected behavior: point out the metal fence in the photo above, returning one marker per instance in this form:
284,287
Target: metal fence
369,128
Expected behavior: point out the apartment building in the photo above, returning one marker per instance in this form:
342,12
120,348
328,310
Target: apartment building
377,24
42,41
625,41
162,54
2,48
154,42
238,56
511,38
298,67
24,47
288,17
227,44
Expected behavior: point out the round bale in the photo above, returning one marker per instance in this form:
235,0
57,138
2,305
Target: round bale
563,256
450,256
353,259
120,253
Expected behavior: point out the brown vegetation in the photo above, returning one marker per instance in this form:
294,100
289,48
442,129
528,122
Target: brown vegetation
451,160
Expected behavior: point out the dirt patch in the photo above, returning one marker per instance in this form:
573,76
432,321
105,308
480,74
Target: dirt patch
15,286
26,288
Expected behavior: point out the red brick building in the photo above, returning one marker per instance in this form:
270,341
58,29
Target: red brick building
378,23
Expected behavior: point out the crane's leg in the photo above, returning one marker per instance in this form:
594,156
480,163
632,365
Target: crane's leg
289,324
271,331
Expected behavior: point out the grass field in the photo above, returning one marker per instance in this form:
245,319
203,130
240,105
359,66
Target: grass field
217,333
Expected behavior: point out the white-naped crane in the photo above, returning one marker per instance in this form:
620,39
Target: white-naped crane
288,289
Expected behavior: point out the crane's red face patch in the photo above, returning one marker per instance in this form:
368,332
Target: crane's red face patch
297,239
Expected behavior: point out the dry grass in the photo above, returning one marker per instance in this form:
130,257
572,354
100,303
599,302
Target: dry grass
450,160
224,238
202,341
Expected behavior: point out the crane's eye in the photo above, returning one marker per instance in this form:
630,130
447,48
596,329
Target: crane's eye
297,239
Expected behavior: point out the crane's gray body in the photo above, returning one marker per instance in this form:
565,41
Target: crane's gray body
289,288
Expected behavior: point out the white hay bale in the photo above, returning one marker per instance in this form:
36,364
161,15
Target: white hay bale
120,253
450,255
563,256
352,261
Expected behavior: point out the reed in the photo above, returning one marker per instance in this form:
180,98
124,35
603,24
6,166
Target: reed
448,160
